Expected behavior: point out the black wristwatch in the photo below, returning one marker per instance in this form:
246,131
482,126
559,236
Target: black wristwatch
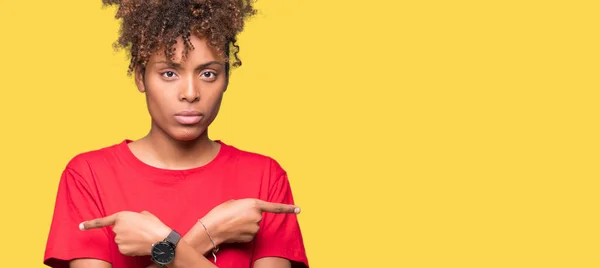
163,252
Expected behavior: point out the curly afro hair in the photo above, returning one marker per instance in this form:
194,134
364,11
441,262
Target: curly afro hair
150,25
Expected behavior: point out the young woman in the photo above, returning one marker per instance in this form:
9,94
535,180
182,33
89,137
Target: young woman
176,198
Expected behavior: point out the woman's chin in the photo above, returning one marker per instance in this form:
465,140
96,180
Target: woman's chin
186,134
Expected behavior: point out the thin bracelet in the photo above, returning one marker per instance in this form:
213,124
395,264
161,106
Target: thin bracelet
215,247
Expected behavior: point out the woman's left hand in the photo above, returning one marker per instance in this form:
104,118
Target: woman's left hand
135,232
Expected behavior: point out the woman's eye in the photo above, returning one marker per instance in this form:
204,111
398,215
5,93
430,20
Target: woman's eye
209,75
169,74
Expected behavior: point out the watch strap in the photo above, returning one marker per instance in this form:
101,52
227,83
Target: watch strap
173,238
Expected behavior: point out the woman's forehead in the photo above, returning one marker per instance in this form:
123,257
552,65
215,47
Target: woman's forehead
199,52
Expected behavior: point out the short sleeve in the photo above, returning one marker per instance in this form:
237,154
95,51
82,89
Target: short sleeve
280,234
75,202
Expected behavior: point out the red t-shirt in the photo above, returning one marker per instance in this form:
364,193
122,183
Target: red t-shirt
105,181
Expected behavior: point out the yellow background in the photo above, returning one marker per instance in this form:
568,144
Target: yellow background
416,133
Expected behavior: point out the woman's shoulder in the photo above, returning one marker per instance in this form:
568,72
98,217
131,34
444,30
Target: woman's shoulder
253,158
101,155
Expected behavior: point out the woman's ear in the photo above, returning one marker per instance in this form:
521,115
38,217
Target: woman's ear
139,78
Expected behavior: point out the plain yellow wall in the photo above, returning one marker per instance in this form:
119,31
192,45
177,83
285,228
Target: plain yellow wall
416,133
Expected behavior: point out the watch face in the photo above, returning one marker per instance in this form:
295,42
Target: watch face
163,253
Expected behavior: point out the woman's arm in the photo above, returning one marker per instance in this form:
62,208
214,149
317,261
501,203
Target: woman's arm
280,236
237,221
273,262
89,263
76,200
187,257
198,239
136,232
231,222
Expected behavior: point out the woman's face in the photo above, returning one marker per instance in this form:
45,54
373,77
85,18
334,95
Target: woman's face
184,97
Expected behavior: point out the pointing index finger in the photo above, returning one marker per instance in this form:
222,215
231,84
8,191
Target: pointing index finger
98,223
277,207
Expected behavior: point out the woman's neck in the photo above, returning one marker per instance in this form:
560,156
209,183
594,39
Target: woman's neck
160,150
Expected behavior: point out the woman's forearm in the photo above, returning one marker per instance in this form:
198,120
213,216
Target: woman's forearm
198,238
187,257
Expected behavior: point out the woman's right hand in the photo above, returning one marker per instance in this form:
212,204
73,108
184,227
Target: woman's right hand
237,221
